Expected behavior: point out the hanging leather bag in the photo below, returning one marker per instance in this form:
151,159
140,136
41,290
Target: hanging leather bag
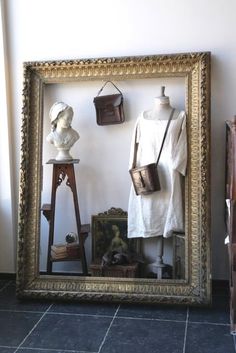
145,178
109,108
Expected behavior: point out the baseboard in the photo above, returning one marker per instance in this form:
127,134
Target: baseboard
9,276
220,283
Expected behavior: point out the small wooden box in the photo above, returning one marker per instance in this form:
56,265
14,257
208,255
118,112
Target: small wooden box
128,271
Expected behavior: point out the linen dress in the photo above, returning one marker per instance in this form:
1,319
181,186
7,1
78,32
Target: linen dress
162,212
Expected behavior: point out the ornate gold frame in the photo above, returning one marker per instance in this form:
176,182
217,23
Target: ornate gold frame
196,289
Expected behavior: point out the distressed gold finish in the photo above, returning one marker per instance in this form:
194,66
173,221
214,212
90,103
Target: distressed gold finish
195,289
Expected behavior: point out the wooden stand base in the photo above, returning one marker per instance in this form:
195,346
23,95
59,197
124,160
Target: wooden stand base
128,271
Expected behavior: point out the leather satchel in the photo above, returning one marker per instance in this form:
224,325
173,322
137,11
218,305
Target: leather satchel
109,108
145,178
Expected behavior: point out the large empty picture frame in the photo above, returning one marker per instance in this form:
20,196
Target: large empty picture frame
195,287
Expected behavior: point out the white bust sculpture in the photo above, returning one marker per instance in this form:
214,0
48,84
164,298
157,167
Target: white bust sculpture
62,135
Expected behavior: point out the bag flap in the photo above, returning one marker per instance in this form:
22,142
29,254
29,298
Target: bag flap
106,101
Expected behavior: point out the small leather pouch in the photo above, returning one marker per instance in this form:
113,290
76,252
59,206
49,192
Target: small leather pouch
145,179
109,108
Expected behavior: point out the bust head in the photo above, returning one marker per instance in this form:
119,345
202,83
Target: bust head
61,115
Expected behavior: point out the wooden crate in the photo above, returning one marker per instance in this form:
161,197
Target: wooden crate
128,271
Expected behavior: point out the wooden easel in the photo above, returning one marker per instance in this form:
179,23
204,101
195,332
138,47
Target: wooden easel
61,170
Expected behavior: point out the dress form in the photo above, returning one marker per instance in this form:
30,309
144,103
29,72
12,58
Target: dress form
159,214
161,110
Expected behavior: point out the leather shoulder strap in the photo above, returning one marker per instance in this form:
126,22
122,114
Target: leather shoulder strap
164,137
105,85
135,149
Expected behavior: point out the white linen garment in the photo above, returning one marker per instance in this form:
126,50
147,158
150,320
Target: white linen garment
162,212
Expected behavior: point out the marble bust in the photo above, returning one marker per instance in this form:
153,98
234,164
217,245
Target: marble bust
62,136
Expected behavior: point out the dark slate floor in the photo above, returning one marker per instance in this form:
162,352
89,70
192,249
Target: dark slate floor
43,327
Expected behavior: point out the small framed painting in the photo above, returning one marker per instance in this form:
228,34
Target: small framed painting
109,233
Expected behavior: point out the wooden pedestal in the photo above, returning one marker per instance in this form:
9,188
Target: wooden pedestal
62,170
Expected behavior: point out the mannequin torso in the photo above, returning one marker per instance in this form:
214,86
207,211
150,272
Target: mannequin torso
161,110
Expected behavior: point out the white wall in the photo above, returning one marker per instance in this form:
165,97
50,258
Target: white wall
102,174
59,29
7,238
